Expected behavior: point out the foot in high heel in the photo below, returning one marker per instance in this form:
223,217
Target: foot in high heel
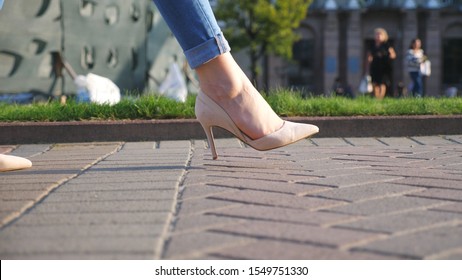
210,114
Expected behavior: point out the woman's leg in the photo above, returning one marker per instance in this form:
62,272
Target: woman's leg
194,25
376,89
419,84
379,90
413,79
223,80
383,91
416,84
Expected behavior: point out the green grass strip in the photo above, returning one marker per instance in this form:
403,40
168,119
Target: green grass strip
291,104
285,103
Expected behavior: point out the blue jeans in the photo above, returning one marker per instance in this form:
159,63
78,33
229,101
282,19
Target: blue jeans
417,84
196,29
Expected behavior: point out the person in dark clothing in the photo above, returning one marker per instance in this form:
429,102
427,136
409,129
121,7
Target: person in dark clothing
379,58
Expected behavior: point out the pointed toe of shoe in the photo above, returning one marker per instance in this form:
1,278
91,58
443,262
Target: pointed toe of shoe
289,133
311,129
300,131
10,163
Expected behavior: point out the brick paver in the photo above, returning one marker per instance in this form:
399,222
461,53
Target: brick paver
321,198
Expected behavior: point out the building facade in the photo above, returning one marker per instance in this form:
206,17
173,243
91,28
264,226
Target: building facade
336,33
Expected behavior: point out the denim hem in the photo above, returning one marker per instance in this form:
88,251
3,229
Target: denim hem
207,51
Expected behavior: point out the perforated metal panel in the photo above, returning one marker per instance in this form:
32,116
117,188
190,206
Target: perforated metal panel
30,31
105,37
108,38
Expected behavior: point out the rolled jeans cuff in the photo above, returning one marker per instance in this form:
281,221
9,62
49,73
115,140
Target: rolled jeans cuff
207,51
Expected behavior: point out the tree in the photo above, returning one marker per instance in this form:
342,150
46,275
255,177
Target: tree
262,26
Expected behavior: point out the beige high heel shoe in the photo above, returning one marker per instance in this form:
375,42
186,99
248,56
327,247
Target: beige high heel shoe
210,114
10,163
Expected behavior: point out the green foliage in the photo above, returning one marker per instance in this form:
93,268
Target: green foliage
145,107
262,26
285,103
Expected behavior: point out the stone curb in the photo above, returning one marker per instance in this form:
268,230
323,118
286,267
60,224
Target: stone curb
162,130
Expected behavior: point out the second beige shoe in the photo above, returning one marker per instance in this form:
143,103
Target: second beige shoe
10,163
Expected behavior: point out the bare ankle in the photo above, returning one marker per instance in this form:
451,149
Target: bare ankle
222,77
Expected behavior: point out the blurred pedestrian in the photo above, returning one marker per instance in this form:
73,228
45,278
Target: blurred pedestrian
379,58
415,57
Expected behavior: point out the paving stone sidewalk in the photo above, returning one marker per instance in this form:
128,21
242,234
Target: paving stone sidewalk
321,198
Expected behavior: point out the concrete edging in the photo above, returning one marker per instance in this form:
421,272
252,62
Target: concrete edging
158,130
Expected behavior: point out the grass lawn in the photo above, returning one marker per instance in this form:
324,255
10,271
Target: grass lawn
285,103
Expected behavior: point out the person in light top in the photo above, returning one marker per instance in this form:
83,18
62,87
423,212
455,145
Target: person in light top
415,57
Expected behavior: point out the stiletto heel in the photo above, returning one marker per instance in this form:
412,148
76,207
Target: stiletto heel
210,114
211,141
